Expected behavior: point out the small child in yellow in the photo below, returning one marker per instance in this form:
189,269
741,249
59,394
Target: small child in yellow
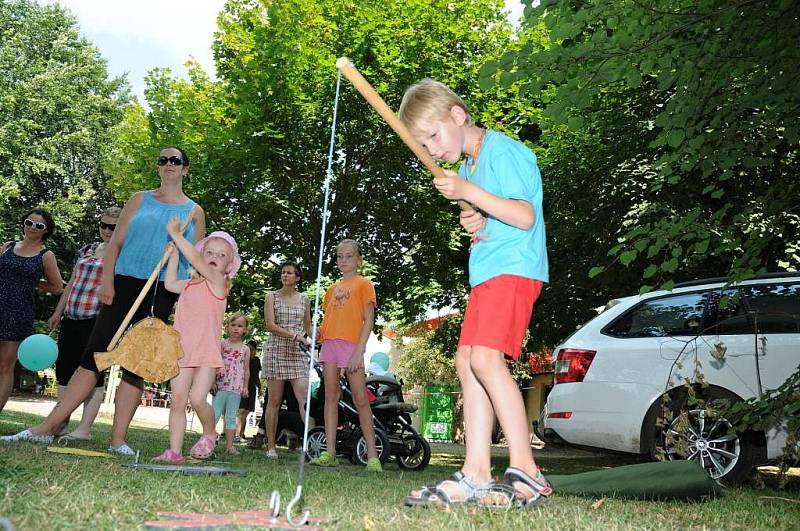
507,268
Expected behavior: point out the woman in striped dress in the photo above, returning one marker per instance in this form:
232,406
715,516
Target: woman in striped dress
288,316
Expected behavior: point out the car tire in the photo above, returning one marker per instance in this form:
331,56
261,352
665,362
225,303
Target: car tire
698,433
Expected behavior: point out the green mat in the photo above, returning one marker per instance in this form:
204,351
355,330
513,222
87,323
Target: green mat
661,480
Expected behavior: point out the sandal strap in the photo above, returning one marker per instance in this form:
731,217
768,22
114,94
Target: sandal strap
502,489
539,485
460,481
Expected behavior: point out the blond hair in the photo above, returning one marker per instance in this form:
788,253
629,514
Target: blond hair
237,315
429,100
354,244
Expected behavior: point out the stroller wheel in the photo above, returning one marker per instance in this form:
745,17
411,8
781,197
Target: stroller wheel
360,447
316,442
418,456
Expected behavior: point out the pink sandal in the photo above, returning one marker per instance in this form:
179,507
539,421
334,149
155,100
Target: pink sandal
170,456
203,448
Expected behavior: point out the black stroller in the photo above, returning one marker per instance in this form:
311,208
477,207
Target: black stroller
395,437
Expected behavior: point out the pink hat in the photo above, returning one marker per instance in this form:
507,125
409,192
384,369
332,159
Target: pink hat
236,261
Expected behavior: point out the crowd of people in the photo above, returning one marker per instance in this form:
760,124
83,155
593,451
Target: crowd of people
499,179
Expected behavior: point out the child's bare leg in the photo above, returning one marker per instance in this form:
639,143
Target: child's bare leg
177,408
202,382
229,434
489,367
273,407
331,375
358,388
478,423
478,419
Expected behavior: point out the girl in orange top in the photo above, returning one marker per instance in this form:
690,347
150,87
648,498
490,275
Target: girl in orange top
198,318
349,307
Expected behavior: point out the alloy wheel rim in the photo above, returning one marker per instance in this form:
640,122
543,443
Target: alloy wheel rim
697,436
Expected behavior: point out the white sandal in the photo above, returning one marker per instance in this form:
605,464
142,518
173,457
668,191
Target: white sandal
27,436
122,449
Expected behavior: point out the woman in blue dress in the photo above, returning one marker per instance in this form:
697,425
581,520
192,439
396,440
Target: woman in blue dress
22,265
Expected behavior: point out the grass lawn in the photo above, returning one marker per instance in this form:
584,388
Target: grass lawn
40,490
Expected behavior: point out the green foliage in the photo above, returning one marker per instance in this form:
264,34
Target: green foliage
424,363
671,137
258,137
776,408
57,106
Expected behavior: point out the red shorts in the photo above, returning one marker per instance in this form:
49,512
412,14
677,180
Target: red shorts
499,312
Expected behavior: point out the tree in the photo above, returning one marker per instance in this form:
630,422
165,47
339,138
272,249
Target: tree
57,105
671,139
424,363
261,134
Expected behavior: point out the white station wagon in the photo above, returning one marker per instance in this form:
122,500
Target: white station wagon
615,376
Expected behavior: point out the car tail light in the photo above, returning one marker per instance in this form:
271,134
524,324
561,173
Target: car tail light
560,415
572,364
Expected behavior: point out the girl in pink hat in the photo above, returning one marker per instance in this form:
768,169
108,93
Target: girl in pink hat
198,318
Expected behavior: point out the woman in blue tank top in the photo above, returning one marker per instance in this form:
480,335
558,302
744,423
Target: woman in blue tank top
138,243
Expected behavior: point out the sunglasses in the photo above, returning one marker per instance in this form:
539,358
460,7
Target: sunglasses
108,226
38,225
172,161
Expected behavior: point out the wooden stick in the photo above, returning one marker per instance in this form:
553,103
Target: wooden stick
373,98
138,302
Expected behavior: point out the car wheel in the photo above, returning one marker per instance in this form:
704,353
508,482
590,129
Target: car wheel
419,454
700,434
317,443
359,456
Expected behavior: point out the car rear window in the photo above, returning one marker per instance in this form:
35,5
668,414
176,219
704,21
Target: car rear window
772,308
674,315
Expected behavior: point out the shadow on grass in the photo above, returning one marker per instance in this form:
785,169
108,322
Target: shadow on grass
79,492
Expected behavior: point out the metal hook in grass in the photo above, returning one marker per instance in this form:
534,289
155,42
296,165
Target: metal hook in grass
294,501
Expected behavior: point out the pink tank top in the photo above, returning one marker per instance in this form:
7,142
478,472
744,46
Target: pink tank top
198,319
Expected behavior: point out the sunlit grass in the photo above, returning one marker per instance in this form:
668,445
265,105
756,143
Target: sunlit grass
39,489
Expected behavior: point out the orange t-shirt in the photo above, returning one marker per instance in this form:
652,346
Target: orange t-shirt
344,309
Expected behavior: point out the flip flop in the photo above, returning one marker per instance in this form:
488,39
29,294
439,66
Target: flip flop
72,437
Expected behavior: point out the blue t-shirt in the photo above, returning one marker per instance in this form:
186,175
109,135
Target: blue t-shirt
147,237
507,168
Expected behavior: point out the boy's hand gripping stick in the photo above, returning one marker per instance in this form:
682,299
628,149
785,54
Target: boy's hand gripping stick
377,103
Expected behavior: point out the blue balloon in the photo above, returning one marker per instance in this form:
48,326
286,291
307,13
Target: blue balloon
382,359
37,352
